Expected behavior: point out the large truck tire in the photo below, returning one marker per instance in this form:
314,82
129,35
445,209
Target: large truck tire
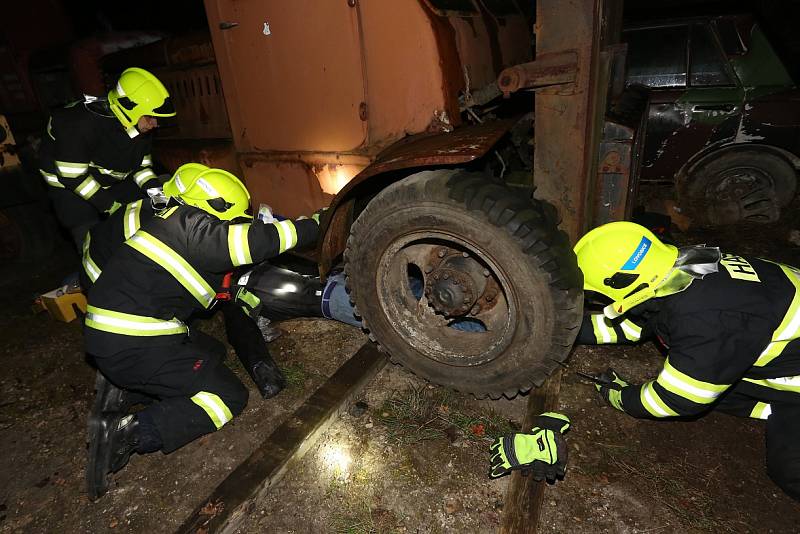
465,283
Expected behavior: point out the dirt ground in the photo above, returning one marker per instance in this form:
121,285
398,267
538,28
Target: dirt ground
415,460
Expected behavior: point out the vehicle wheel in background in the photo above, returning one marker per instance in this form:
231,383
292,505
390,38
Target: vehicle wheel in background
742,186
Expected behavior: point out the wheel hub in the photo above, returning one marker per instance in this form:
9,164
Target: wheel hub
454,282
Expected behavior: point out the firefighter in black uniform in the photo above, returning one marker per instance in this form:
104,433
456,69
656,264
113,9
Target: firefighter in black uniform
137,311
95,155
108,236
105,238
730,324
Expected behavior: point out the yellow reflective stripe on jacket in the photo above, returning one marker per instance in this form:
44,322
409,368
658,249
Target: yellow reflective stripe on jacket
789,329
175,265
51,179
70,169
108,172
687,387
239,245
784,383
143,175
147,161
653,403
603,331
216,410
88,188
167,212
131,325
91,268
761,410
131,219
287,234
632,331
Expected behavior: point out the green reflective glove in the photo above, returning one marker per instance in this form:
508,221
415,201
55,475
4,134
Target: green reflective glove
542,452
114,207
611,388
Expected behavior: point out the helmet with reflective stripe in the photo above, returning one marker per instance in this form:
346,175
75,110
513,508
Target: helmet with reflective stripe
219,193
139,93
183,179
625,262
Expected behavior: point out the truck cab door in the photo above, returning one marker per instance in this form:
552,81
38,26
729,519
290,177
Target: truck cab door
292,73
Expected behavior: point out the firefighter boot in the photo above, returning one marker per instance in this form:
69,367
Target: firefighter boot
268,377
107,398
112,440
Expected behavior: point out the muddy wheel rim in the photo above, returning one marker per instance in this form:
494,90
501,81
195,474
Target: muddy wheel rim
429,330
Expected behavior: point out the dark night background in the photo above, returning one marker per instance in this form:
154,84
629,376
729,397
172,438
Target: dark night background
779,17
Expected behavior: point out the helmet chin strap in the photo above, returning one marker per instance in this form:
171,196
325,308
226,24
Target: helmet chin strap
693,263
132,131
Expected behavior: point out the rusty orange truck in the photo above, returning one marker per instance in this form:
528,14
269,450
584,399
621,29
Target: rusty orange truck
390,113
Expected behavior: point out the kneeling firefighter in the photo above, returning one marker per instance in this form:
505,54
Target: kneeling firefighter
731,325
95,154
136,331
108,236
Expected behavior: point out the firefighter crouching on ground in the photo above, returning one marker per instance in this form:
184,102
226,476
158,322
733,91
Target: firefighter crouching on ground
135,327
106,237
730,324
95,154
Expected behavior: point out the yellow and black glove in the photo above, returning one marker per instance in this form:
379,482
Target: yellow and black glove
542,451
609,385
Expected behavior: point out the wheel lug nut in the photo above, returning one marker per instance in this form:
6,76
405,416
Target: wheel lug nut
465,254
475,310
445,276
486,272
442,252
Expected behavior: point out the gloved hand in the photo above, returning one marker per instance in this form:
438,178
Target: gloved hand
611,388
318,214
157,197
542,452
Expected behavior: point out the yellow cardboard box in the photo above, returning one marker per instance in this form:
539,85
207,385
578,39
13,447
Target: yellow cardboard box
63,306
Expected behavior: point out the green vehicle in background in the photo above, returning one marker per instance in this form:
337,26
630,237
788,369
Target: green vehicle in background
724,117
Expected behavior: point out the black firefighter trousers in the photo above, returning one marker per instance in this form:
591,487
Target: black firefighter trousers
195,392
783,438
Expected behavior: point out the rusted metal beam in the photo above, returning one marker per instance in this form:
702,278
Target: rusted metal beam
524,496
232,500
568,124
556,68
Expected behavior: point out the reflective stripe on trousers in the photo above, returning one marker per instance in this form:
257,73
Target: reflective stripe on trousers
131,325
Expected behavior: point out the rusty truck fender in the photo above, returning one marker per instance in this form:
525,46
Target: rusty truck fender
462,145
